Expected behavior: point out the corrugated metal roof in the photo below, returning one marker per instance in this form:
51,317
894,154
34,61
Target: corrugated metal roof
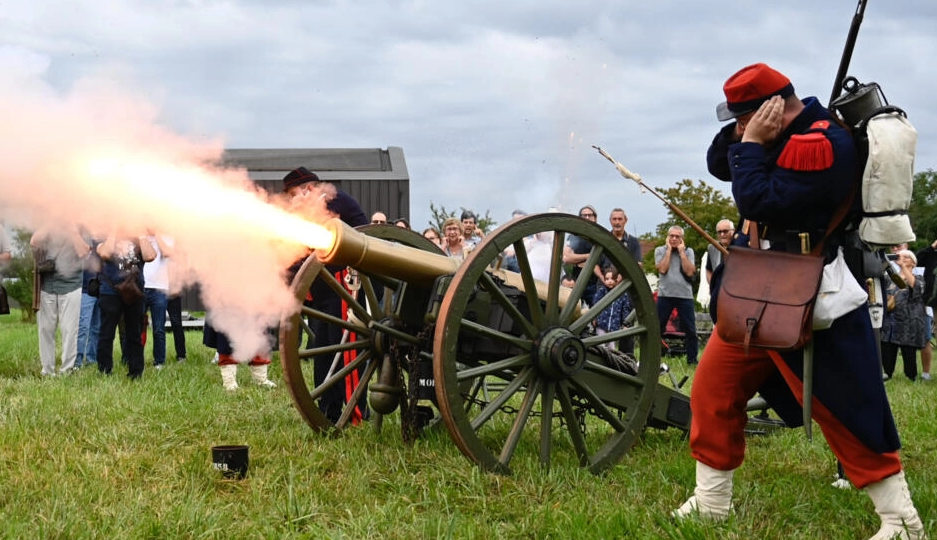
331,164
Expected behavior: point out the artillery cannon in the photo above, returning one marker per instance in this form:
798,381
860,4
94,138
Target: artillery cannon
508,363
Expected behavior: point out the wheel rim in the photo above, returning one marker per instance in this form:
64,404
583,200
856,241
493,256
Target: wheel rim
370,329
558,396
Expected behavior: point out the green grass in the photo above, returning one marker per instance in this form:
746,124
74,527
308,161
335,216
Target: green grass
88,456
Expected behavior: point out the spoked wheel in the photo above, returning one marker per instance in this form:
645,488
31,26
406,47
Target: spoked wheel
521,373
367,337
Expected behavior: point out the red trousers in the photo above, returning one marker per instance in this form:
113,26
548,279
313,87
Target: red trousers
227,360
724,382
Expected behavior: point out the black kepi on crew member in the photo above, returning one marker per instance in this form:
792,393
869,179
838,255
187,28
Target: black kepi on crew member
298,177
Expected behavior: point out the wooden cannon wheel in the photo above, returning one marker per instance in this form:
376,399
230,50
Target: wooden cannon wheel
295,335
555,395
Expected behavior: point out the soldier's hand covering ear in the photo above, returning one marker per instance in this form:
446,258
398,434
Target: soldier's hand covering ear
765,125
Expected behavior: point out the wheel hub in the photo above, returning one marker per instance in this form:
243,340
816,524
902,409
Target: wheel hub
380,341
559,353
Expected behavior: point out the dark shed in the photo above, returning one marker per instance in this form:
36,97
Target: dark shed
377,178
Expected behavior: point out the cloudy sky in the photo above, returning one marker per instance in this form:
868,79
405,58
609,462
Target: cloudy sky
495,103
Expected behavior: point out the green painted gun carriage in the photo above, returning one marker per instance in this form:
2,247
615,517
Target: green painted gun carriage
508,363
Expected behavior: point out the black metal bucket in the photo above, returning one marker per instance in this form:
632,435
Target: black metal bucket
859,101
231,460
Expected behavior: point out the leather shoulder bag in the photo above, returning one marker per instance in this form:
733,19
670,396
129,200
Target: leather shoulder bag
766,298
127,289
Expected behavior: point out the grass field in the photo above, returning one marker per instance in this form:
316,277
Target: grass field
88,456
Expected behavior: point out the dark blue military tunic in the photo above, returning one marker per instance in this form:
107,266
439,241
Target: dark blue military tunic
847,368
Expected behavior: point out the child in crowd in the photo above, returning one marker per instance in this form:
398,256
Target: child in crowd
611,318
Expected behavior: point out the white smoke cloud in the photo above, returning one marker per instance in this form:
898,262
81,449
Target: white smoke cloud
96,156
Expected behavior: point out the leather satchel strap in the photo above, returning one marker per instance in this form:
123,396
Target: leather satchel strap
134,272
751,325
753,240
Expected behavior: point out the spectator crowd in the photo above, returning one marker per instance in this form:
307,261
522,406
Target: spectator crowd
80,293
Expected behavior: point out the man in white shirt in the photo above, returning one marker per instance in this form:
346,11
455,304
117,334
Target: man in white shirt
156,290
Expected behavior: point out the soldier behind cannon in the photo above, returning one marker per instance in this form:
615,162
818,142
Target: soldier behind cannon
297,184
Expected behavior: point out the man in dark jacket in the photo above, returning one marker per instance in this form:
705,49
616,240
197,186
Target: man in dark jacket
927,258
791,166
576,252
298,183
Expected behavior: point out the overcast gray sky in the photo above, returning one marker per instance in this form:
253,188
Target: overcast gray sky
495,103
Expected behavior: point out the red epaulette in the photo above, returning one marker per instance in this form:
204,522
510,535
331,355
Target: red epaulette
810,151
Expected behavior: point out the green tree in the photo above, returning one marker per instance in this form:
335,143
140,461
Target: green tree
704,204
440,215
923,209
19,273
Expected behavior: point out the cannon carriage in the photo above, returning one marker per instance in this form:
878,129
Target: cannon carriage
507,361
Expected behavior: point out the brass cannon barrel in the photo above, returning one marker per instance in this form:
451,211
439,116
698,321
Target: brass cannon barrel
377,256
357,250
